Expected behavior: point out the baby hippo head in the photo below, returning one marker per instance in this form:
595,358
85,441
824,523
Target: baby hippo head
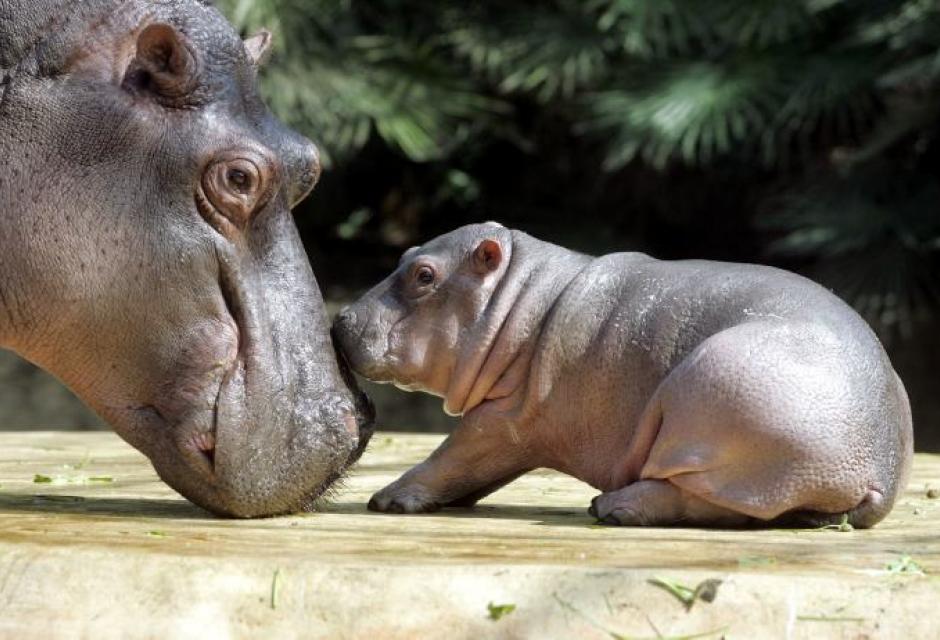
410,328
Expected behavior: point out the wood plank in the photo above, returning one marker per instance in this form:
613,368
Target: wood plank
130,558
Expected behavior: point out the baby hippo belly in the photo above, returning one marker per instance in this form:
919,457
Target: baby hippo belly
770,418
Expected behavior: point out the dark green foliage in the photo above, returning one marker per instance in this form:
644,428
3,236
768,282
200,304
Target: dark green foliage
825,112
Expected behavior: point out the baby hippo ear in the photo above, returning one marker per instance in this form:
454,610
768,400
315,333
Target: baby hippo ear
164,66
487,256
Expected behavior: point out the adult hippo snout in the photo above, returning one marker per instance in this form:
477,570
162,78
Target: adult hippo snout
148,256
259,417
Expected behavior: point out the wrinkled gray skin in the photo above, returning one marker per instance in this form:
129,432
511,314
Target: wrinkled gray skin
148,257
692,392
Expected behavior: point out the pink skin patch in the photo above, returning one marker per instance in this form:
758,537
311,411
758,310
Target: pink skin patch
205,442
351,425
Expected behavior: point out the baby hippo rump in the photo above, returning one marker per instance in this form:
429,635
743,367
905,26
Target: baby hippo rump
689,392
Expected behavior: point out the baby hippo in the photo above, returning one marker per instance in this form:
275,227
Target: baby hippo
687,392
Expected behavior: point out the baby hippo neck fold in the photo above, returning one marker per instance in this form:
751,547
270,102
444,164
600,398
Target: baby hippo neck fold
495,356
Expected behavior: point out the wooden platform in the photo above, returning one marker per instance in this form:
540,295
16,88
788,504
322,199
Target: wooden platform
100,548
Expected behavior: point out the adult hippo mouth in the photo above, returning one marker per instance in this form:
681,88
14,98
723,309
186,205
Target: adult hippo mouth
148,256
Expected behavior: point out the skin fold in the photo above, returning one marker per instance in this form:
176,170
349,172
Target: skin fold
148,257
686,392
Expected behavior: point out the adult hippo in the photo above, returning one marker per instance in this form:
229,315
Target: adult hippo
147,253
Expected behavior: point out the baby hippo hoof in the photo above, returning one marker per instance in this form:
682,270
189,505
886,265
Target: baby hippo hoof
403,499
660,503
611,515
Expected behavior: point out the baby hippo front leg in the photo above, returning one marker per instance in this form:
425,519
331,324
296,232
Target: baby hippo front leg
471,463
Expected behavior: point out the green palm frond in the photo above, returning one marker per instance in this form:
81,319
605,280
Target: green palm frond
653,29
828,97
339,85
871,240
761,24
693,113
900,25
424,115
516,54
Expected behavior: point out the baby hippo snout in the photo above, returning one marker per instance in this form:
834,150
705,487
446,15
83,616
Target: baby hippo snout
345,319
347,335
357,336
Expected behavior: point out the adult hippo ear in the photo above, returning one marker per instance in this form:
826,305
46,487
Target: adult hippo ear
258,47
165,66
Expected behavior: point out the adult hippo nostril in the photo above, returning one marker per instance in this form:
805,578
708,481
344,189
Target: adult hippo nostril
307,173
148,256
300,158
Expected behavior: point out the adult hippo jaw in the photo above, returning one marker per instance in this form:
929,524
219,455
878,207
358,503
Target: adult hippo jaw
148,257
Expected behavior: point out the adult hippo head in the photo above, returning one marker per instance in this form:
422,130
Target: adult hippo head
148,257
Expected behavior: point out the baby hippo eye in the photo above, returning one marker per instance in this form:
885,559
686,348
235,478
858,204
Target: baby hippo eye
237,184
424,276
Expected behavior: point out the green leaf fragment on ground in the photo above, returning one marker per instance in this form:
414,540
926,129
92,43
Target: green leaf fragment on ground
705,591
843,526
40,478
905,565
829,619
497,611
619,636
275,587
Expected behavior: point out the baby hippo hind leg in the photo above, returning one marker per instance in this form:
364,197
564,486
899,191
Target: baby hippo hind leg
780,422
660,503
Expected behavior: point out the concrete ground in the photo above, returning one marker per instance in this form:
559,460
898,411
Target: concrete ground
93,545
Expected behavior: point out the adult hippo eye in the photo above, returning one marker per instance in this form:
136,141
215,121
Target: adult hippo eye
239,181
236,185
424,276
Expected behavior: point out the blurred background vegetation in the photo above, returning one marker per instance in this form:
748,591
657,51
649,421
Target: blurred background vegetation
801,133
